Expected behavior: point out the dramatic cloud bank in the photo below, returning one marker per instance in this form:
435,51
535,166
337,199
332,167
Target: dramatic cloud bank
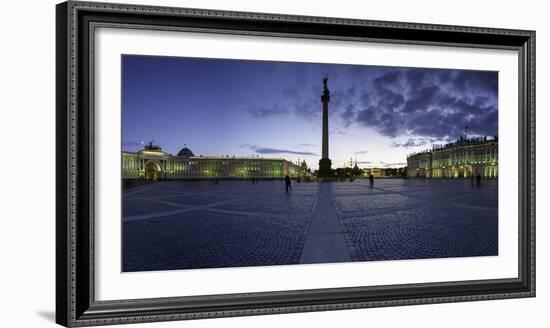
430,103
427,104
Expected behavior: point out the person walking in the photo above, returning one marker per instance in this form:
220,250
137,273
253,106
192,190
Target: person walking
371,180
478,178
288,187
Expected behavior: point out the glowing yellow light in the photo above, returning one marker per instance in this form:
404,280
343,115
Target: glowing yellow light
152,153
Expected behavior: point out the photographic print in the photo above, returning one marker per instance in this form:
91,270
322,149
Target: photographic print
233,163
217,163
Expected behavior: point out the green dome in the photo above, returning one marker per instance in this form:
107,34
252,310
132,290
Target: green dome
186,152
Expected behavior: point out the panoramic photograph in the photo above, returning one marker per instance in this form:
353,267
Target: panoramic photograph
236,163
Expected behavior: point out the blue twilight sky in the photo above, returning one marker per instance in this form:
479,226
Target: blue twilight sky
273,109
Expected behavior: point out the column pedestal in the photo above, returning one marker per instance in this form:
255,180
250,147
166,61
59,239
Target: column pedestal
325,168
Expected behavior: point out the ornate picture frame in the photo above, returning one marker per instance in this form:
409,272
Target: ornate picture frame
76,304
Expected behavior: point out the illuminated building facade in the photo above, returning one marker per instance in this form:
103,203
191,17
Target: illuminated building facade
152,163
374,171
377,172
463,158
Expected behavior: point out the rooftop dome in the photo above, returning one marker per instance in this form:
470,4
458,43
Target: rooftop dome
186,152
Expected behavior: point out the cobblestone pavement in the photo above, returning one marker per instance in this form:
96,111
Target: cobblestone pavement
183,225
413,219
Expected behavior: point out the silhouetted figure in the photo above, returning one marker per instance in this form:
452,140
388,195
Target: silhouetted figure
325,80
478,179
472,179
371,180
288,187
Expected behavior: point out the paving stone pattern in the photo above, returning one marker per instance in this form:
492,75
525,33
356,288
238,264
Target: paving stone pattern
185,225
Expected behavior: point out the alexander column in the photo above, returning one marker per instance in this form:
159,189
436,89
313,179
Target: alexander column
325,163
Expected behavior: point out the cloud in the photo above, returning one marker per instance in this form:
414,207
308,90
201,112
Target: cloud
348,114
361,152
283,151
338,131
411,143
267,111
391,165
267,150
248,146
302,102
307,145
430,103
381,164
395,102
